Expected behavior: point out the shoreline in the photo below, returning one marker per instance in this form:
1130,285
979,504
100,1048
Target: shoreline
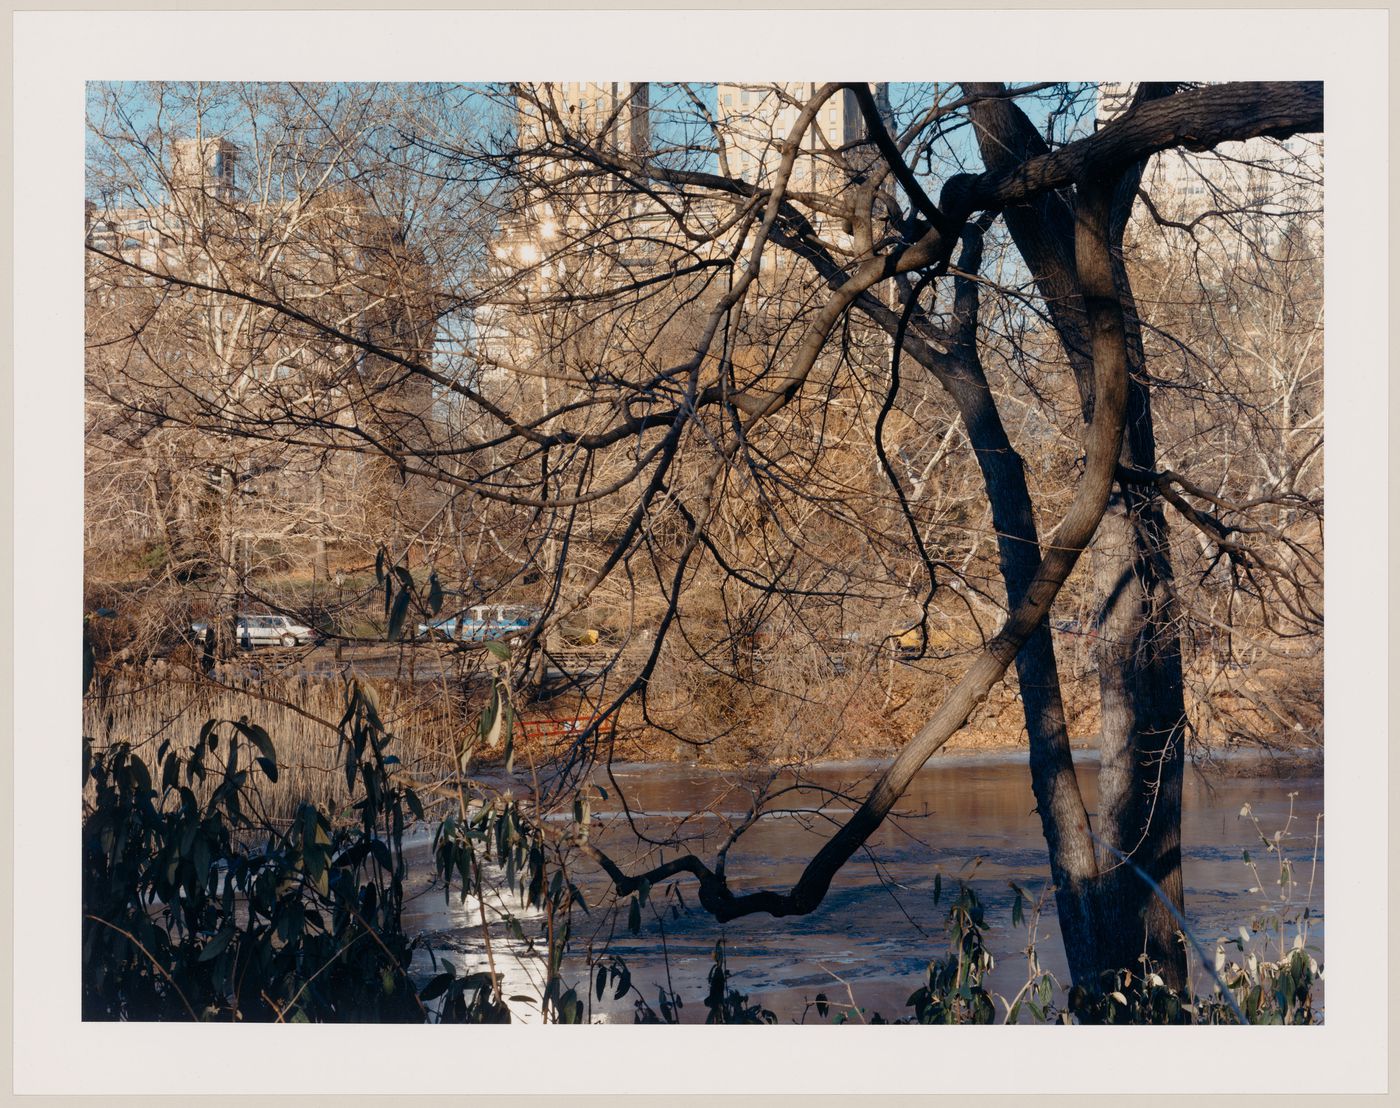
1232,761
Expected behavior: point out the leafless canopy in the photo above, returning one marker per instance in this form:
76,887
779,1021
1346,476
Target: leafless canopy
780,386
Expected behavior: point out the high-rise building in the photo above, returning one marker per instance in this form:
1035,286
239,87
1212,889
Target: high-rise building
558,202
573,228
613,114
1249,192
757,120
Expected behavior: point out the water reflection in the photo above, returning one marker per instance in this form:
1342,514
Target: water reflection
969,817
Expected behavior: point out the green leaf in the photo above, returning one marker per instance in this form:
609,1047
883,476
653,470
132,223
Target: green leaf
140,775
398,614
170,775
436,987
490,724
434,594
218,945
269,767
634,917
498,649
379,565
822,1006
262,740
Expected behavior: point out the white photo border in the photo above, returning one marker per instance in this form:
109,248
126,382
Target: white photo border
56,53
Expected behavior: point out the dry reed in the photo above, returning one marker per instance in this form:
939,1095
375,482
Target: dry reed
147,706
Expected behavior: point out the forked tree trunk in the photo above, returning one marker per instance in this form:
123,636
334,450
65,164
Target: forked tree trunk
1074,863
1139,656
1103,449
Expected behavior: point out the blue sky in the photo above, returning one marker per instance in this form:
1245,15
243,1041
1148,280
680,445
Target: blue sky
144,106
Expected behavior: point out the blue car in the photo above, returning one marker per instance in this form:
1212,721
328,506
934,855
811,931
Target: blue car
504,622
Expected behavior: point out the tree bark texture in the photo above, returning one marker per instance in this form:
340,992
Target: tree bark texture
1139,652
1059,802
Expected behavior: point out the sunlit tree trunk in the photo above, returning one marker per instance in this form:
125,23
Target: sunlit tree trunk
1139,652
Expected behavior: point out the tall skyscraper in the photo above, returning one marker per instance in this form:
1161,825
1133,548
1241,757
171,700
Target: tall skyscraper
756,120
614,114
1246,190
573,227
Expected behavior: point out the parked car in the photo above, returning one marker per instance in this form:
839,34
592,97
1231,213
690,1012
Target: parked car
264,630
504,622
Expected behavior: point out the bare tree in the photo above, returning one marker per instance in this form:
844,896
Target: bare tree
722,376
210,388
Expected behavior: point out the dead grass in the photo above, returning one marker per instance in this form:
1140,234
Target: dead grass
863,712
147,706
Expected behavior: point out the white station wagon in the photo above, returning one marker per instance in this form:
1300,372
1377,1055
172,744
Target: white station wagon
260,630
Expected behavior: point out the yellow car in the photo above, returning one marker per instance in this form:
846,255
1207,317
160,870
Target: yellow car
579,636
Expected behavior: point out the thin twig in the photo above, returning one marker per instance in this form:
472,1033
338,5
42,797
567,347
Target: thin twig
159,968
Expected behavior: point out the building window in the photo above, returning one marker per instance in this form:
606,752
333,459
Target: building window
743,96
728,99
223,166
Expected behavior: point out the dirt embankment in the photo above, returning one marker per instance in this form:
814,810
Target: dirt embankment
431,703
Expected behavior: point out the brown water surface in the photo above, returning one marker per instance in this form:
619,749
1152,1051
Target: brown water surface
969,817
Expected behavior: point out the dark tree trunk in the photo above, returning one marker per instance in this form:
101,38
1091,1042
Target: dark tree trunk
1140,683
1059,802
1103,449
1063,817
1139,656
1069,239
1064,820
